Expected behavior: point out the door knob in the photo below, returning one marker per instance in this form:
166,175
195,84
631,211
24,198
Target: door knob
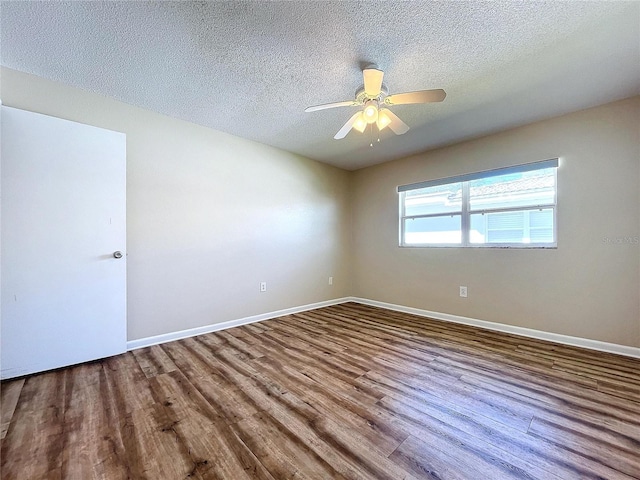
117,254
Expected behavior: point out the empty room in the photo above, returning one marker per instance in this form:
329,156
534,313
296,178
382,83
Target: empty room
320,240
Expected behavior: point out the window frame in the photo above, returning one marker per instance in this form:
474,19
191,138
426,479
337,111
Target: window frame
466,212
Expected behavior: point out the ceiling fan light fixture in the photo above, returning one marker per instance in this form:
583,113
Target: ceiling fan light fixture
383,119
361,123
370,112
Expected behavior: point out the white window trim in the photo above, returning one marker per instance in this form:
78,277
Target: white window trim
465,212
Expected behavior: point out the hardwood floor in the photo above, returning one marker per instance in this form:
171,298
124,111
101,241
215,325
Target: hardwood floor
347,391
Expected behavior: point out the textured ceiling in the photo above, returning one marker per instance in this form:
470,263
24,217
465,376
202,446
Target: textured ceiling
250,68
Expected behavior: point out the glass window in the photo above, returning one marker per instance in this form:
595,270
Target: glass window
441,229
508,207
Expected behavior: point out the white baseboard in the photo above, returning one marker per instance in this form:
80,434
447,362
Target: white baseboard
501,327
192,332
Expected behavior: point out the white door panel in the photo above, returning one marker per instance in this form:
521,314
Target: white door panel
63,216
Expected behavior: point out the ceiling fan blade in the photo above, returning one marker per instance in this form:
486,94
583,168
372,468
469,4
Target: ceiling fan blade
421,96
397,125
348,103
346,128
372,81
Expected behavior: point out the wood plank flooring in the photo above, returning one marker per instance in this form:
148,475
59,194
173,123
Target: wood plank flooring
347,391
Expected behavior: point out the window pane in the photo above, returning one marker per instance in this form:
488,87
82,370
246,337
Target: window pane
433,200
505,221
541,226
433,230
525,226
541,218
541,235
537,187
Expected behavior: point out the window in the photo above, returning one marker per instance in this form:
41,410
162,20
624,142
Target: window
509,207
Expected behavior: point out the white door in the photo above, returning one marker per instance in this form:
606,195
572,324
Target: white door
63,217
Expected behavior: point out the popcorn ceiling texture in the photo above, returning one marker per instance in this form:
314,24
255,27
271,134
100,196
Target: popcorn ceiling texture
250,68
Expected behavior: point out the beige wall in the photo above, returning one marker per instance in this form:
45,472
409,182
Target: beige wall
585,288
210,215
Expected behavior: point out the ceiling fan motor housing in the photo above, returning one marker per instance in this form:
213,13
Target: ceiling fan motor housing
362,97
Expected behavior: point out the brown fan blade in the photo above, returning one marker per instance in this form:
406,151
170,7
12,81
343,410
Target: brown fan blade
372,81
347,103
396,125
421,96
346,128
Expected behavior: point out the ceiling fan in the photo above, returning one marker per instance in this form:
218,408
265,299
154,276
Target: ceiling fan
374,98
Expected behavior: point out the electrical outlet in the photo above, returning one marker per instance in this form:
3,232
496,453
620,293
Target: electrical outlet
330,280
463,291
263,286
